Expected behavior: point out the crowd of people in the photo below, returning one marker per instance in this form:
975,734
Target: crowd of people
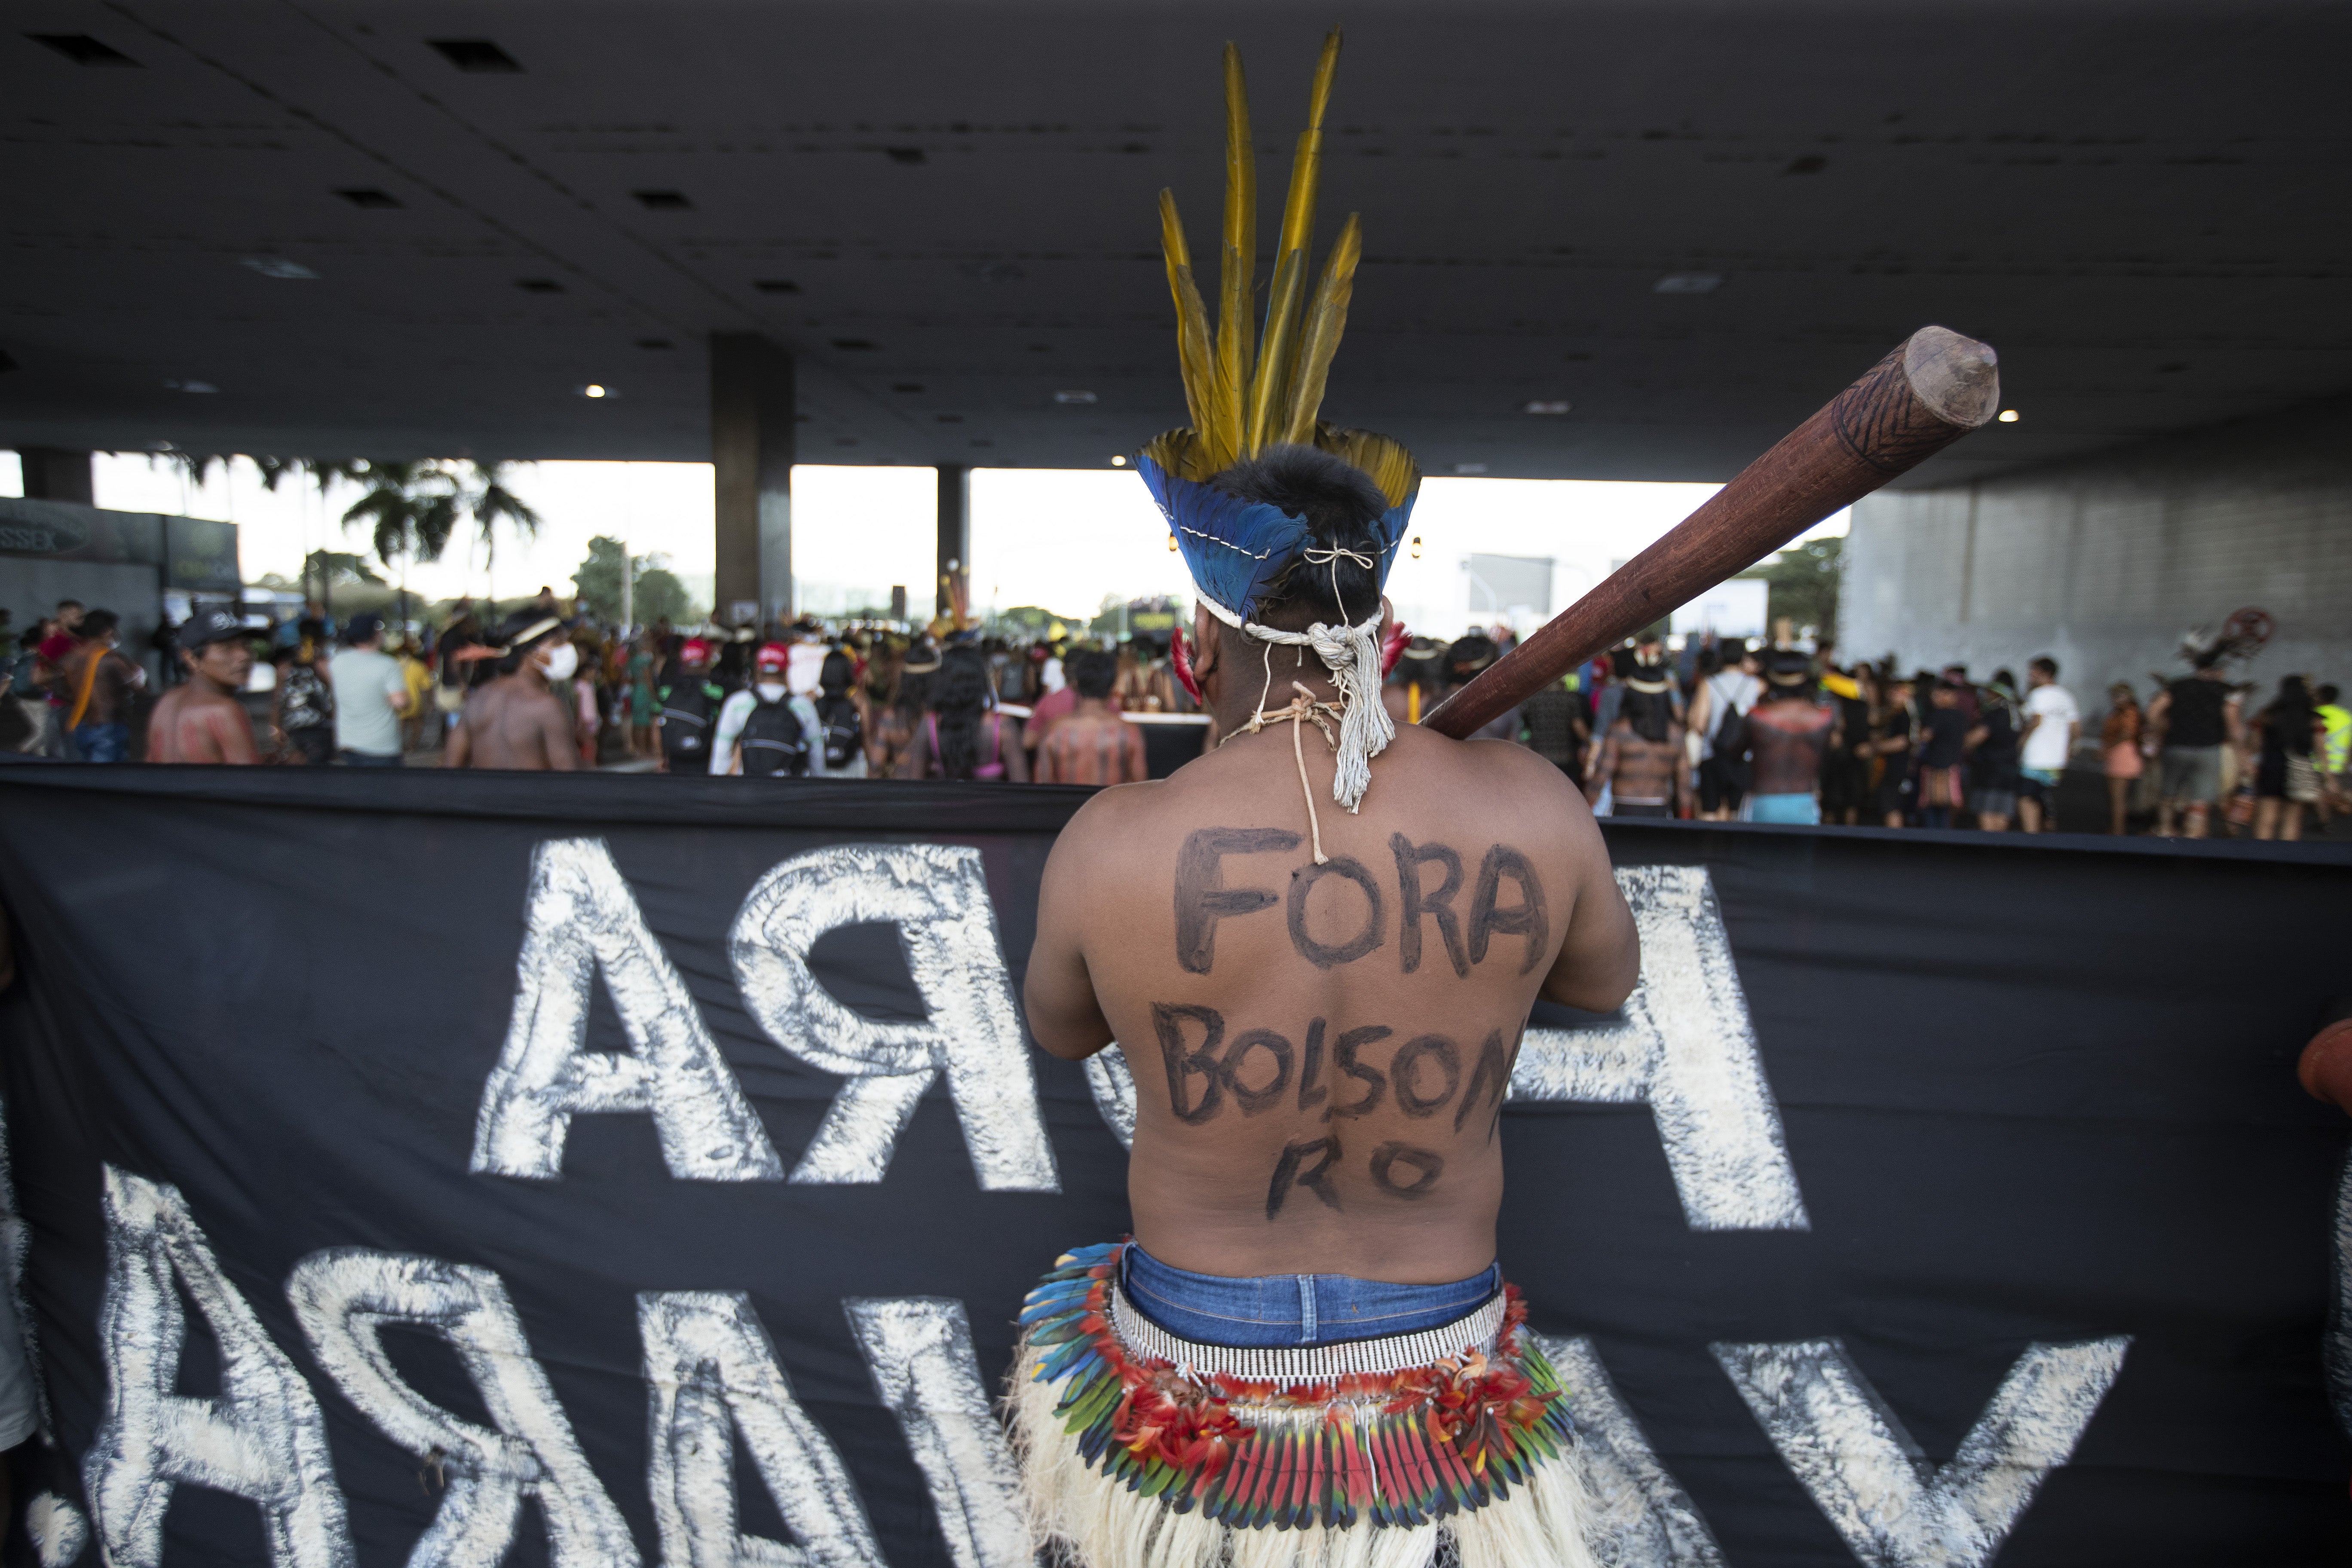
1712,729
1779,735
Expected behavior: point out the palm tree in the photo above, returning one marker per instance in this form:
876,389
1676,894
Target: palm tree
415,507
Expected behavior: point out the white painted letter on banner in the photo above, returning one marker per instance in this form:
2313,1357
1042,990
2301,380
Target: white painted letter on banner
260,1437
343,1296
710,1371
1650,1521
919,1351
1685,1048
1892,1508
938,898
580,919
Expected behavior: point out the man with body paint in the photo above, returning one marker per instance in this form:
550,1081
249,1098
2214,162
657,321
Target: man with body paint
1318,946
513,721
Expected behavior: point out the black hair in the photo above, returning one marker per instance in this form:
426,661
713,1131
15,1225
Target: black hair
2327,694
1623,662
1092,672
2290,713
1786,667
1467,655
1342,507
1650,712
1730,651
98,622
513,626
959,697
833,678
2045,664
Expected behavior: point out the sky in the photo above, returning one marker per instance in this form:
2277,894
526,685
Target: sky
1061,539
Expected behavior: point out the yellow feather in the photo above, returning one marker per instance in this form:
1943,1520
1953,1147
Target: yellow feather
1274,350
1239,279
1192,316
1325,322
1390,465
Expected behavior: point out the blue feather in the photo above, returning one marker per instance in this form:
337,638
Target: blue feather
1235,548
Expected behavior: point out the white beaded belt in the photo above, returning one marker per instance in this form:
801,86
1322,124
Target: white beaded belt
1308,1363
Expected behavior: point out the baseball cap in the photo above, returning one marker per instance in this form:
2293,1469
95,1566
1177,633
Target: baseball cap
362,627
771,655
206,628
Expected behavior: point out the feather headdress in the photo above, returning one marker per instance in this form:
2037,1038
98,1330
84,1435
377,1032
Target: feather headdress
1246,396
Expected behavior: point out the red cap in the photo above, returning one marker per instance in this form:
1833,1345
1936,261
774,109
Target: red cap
771,655
693,650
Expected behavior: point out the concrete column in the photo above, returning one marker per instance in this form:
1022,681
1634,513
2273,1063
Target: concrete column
57,473
955,535
752,447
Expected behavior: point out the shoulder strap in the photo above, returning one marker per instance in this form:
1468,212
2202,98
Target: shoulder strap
89,684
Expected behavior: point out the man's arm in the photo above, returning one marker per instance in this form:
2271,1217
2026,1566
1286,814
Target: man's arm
733,714
1600,955
459,749
231,733
1016,759
1058,995
395,691
557,736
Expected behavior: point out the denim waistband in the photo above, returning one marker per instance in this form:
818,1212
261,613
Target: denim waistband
1293,1309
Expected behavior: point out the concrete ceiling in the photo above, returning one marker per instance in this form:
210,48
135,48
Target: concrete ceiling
946,211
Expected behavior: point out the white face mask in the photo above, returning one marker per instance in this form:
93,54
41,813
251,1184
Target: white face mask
562,662
771,690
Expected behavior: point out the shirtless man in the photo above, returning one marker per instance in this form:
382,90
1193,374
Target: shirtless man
200,720
1788,732
1320,1043
513,721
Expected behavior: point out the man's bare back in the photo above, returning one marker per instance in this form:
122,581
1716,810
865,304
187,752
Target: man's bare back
1320,1053
194,722
514,722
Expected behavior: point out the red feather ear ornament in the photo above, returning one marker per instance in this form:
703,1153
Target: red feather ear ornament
1393,649
1179,654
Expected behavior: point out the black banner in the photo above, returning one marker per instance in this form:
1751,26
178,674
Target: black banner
590,1170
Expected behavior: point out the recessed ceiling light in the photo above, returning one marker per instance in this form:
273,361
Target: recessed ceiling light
476,54
662,201
1118,459
1469,467
539,286
83,49
1547,406
1074,397
593,390
278,267
2009,415
195,387
1687,283
370,198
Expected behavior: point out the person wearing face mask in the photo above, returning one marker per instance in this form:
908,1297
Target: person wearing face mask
765,730
513,721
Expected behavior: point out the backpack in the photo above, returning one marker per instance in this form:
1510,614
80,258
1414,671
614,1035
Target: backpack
686,718
845,730
774,744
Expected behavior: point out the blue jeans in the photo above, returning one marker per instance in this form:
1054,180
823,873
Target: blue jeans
1294,1309
1801,810
103,742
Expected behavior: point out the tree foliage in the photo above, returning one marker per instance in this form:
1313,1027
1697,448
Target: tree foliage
660,595
1802,585
414,509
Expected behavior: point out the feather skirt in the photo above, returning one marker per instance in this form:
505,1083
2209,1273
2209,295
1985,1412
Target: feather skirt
1127,1462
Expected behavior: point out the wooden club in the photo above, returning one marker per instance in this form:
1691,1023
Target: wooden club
1934,388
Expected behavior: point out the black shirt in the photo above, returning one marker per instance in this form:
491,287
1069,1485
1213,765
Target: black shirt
2196,719
1946,733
